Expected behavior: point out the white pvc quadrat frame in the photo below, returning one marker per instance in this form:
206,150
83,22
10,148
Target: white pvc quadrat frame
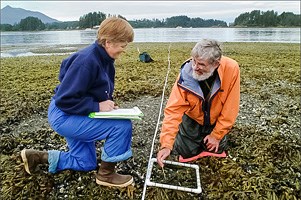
173,187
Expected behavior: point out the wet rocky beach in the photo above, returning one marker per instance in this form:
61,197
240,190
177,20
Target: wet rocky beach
264,152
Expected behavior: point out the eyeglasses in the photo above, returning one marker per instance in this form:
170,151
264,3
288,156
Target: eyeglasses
204,64
200,63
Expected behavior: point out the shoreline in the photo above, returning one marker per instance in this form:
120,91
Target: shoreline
13,51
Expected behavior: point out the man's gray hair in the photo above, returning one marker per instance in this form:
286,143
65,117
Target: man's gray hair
207,49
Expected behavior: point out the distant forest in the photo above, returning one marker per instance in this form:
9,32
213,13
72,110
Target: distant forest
256,18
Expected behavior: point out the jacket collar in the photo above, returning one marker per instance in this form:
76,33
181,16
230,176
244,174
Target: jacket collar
105,56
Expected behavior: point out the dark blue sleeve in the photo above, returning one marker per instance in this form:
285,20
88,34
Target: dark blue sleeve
72,95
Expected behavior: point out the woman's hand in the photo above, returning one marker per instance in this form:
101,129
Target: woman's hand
107,105
161,155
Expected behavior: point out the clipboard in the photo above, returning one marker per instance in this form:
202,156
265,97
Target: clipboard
125,113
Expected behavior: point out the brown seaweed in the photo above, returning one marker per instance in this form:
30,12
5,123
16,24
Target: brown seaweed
265,146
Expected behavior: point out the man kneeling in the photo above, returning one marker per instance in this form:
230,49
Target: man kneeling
203,104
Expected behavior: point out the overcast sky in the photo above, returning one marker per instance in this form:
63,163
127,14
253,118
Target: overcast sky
221,10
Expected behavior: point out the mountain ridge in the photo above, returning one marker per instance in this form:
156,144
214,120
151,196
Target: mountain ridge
10,15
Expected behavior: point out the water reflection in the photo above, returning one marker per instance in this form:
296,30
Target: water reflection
87,37
222,34
50,38
289,35
156,35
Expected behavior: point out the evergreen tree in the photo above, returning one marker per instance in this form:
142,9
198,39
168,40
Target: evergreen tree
289,19
91,19
269,18
31,24
6,27
176,21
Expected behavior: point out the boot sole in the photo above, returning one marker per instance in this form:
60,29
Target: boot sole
114,185
23,156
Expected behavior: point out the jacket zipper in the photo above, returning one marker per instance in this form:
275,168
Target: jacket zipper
109,87
206,112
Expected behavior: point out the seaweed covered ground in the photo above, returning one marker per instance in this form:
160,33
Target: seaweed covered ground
265,147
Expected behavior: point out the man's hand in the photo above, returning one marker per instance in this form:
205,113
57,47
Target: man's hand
211,143
161,155
107,105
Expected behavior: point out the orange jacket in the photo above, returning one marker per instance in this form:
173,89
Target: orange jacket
187,97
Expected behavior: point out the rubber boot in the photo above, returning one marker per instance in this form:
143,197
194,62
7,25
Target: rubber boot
107,176
32,158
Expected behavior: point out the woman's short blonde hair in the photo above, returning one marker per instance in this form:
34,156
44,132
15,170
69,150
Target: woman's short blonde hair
115,29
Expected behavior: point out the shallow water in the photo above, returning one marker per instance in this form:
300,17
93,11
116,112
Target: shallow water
25,41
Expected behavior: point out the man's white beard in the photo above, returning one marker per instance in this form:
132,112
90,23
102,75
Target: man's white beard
204,76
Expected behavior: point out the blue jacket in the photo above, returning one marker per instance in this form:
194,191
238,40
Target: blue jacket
86,78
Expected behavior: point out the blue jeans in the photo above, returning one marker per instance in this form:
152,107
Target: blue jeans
81,133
